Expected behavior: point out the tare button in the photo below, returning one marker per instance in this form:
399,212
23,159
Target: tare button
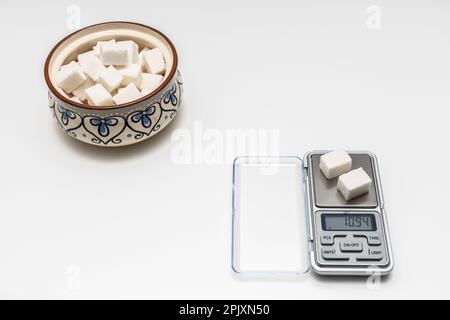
374,240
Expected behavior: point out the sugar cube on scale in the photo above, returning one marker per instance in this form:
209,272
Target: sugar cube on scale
345,216
112,73
349,227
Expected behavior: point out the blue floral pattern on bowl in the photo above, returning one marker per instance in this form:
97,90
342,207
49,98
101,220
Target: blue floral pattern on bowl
170,96
66,115
120,127
144,116
103,125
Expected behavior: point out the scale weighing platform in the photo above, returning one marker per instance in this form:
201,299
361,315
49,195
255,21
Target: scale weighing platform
288,218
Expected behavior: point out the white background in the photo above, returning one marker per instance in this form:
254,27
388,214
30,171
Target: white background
134,224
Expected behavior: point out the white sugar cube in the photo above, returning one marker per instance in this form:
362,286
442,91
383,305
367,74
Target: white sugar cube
154,61
131,74
145,92
91,64
141,57
335,163
150,81
354,183
65,95
112,73
97,47
99,96
127,94
114,54
110,78
132,51
70,77
80,92
74,98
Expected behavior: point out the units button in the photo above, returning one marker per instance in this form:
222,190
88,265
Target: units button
332,254
351,246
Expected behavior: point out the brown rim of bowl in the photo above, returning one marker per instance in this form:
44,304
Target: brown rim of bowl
124,105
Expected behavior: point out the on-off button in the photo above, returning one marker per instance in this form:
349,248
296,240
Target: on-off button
351,246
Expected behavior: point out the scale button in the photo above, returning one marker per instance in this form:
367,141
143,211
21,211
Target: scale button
351,246
332,254
372,254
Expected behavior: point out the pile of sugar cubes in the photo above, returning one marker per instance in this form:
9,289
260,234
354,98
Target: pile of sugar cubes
351,183
112,73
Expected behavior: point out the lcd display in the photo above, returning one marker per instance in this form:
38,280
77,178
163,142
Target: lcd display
348,222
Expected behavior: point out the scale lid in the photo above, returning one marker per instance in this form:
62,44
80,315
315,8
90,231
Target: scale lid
270,221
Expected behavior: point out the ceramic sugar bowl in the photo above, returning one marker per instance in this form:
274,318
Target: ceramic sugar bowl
122,124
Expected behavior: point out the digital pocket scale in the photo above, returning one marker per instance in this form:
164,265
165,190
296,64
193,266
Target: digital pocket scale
288,218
